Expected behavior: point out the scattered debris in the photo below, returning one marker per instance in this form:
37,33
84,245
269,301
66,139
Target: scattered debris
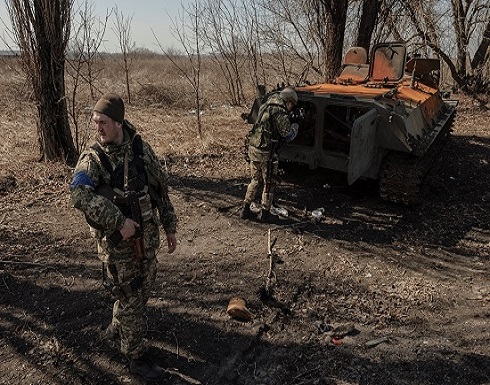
342,330
279,211
376,342
316,215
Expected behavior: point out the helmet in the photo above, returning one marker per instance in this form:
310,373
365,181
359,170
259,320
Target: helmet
289,94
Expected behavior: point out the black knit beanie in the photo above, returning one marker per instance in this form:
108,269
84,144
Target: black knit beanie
111,105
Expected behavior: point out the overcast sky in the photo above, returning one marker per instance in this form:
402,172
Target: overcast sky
147,15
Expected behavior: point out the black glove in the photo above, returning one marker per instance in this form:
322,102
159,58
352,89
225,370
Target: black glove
297,115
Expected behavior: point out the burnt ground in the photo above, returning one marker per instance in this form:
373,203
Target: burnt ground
404,289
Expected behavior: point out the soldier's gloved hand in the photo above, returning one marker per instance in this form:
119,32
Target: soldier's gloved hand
292,134
128,229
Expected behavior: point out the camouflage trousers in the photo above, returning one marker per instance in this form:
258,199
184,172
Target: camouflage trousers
263,171
135,280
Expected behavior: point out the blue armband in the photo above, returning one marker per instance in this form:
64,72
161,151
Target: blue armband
81,178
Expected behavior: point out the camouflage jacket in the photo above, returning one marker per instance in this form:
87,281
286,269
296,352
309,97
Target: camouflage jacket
108,217
273,123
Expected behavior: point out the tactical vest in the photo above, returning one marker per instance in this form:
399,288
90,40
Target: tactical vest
137,178
134,179
263,133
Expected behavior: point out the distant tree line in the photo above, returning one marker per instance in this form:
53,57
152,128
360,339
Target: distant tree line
252,42
315,33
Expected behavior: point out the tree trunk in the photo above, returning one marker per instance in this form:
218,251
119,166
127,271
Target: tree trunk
42,30
55,136
370,9
461,37
482,53
335,12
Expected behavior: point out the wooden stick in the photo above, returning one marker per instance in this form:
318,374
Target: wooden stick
271,275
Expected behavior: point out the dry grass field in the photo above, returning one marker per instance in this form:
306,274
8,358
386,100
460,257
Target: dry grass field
407,288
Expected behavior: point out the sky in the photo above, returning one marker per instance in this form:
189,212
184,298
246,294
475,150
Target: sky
147,16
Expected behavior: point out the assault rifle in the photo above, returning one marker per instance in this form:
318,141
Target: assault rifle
131,200
270,162
298,115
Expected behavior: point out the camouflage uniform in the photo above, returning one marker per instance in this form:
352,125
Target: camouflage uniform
134,279
273,124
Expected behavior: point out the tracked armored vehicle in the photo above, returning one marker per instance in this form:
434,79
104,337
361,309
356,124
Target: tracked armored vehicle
385,120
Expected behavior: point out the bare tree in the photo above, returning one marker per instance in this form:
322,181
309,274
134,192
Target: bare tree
187,29
255,58
367,24
41,29
332,14
391,22
309,31
288,30
122,29
482,53
463,19
224,37
86,38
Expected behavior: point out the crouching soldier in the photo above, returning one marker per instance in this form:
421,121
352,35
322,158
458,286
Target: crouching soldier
121,189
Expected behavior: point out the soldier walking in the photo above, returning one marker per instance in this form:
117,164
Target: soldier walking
120,187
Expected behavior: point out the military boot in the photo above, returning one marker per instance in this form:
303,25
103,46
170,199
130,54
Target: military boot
146,368
265,216
246,213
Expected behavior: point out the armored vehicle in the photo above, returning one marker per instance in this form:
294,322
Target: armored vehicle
384,120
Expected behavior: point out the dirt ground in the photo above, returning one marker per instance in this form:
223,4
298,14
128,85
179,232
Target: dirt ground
375,293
